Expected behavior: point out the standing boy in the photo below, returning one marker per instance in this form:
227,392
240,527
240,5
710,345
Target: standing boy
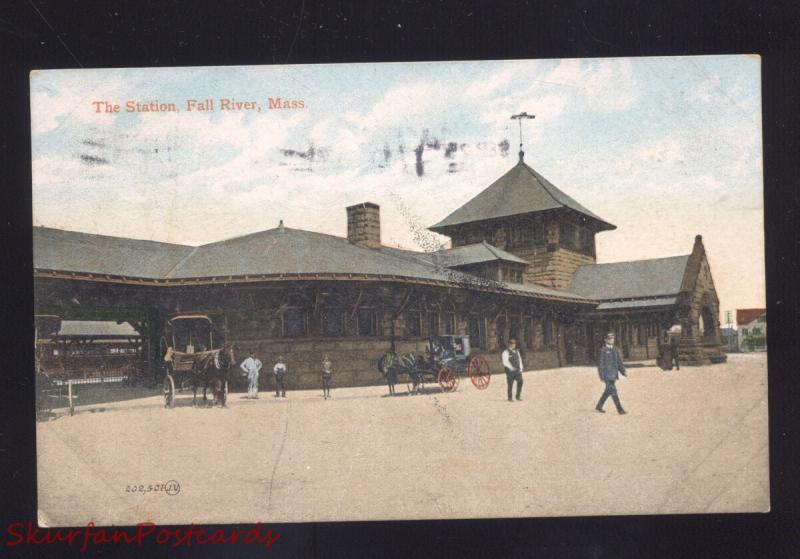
280,374
327,375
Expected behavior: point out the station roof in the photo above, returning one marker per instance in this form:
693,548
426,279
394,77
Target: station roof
277,252
638,279
520,191
478,253
71,251
97,328
637,303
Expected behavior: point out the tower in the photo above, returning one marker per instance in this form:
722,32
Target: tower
526,215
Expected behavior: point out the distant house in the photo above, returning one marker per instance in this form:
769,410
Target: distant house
752,326
730,339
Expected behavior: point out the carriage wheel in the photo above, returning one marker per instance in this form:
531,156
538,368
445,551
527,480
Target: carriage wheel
447,379
169,391
478,370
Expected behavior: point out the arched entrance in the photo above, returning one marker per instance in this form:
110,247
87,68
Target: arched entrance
707,324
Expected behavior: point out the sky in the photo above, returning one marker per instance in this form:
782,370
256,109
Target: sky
664,148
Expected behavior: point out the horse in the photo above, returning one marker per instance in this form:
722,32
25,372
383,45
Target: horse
211,372
390,365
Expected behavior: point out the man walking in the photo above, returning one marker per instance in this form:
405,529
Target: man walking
512,362
609,367
280,374
251,366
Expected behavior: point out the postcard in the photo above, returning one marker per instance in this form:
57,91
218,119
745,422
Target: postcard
513,288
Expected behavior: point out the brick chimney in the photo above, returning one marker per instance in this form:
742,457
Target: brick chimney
364,224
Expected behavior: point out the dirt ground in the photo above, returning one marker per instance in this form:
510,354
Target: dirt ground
693,441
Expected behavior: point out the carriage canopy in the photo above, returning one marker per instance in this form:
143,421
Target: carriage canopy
191,333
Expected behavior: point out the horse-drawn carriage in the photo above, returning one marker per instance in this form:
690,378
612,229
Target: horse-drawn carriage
196,356
447,359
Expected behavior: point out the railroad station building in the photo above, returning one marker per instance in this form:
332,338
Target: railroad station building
522,264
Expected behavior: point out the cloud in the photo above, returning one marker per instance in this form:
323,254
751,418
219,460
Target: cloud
603,85
50,110
706,91
47,111
53,170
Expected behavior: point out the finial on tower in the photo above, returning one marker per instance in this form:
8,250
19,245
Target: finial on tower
519,117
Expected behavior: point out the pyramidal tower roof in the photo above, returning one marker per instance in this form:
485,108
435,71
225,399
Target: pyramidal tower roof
520,191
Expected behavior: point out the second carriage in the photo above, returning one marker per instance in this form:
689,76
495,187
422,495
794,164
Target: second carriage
447,359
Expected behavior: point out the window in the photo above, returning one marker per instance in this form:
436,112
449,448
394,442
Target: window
513,328
333,322
547,332
367,322
500,328
587,241
538,233
448,323
433,324
511,274
474,236
413,324
756,331
744,331
294,323
477,331
528,333
567,233
523,234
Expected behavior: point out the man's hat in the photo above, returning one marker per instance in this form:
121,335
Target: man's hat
610,335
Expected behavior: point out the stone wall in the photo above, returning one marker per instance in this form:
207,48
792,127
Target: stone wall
354,361
251,317
552,268
699,297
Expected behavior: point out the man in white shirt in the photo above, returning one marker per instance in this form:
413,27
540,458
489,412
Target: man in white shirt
280,374
252,366
512,362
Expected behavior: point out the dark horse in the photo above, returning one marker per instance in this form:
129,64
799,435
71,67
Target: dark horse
211,372
391,365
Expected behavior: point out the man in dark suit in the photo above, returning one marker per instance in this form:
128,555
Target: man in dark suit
673,346
609,367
